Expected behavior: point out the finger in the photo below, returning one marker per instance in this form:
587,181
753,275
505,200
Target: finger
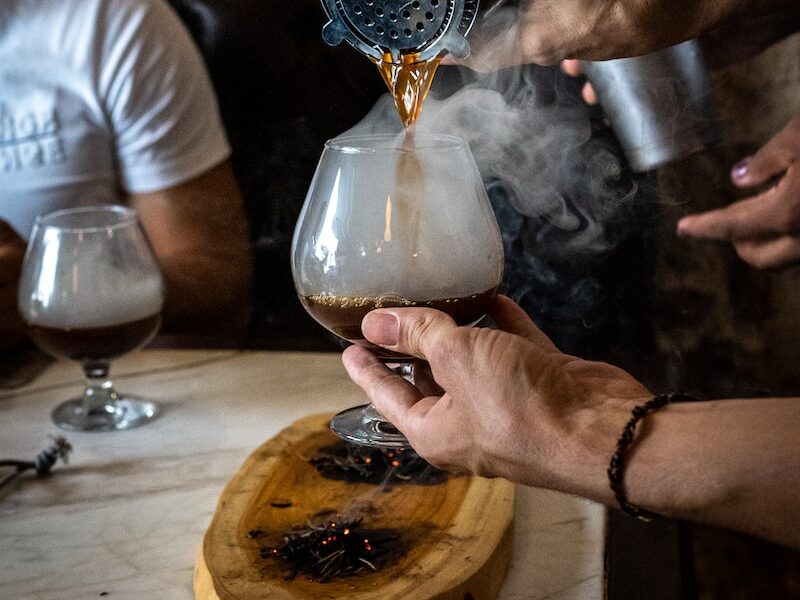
771,160
490,55
760,216
392,395
510,317
416,332
770,254
495,43
424,380
572,67
589,95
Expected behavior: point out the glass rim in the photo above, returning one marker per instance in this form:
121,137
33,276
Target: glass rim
126,215
385,142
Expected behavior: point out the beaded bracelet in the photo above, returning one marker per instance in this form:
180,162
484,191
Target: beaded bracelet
616,468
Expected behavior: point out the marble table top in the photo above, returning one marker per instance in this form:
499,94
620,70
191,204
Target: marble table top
126,517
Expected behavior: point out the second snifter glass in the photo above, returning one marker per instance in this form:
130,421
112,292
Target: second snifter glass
91,291
394,221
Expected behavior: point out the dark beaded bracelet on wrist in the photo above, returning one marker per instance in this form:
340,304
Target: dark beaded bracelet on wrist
616,468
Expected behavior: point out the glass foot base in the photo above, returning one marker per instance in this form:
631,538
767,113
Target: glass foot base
126,412
357,425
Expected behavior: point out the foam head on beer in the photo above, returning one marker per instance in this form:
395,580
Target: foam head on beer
93,294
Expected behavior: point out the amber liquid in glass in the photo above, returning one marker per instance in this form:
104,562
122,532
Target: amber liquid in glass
95,343
343,314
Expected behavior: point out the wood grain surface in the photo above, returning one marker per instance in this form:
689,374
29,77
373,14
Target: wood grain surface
455,537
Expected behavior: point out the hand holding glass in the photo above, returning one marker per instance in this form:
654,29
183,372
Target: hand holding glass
394,222
91,291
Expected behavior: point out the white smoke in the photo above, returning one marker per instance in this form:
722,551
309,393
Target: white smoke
415,224
541,149
90,292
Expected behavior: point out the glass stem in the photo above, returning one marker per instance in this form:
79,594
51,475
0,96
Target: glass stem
406,371
99,396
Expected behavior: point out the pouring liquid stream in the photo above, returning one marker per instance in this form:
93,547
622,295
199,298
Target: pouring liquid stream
409,82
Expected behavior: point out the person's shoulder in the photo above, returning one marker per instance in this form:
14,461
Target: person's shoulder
122,20
110,24
143,40
104,13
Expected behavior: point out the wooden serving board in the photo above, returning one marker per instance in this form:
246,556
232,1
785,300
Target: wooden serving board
456,535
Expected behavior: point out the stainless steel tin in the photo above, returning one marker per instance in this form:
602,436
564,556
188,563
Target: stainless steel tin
659,105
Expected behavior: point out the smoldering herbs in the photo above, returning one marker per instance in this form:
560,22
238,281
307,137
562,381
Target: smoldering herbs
361,464
339,548
334,546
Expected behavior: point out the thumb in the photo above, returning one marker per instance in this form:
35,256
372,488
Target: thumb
416,332
572,67
774,158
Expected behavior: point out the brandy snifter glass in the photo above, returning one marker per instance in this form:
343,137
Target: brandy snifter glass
394,221
90,291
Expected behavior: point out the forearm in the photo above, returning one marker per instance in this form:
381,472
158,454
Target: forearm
731,463
713,13
691,19
513,406
12,332
199,234
734,463
744,38
203,287
12,250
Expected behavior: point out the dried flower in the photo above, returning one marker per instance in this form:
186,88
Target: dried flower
42,463
362,464
334,549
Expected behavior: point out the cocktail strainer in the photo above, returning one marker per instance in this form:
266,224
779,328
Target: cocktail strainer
378,28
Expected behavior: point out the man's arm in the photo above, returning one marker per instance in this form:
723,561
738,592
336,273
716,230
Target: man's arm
729,463
198,230
733,463
741,39
513,406
548,31
12,251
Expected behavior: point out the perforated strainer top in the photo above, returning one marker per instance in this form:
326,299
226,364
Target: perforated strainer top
380,27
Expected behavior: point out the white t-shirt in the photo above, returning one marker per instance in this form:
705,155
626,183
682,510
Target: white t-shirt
99,98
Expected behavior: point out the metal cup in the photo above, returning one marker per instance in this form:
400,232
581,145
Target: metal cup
659,104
